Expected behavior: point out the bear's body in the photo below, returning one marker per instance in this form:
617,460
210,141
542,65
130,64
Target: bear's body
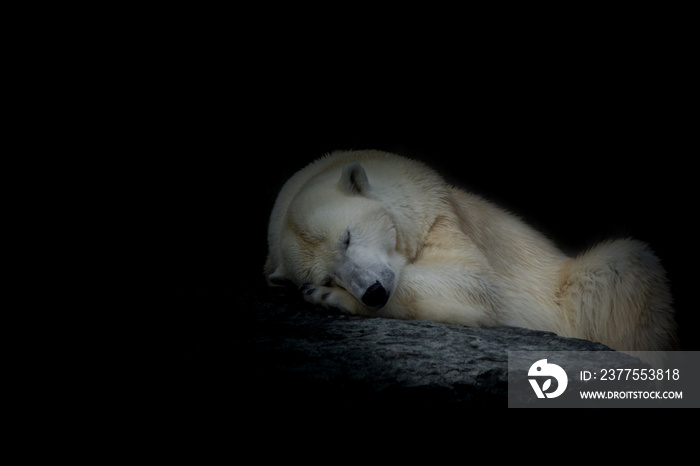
377,234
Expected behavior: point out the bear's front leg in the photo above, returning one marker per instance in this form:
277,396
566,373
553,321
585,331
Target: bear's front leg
333,297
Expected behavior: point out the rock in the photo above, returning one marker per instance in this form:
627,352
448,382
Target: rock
284,351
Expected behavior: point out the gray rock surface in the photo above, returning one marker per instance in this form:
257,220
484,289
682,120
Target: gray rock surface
288,352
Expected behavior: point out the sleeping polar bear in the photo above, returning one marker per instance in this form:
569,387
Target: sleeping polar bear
376,234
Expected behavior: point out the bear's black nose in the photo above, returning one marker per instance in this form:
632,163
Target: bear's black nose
375,296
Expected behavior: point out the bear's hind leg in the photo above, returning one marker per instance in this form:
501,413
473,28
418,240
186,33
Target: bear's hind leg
616,293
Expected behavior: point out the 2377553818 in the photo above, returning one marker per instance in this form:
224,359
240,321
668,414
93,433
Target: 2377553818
637,374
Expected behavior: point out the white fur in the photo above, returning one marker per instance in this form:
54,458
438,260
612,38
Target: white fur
351,219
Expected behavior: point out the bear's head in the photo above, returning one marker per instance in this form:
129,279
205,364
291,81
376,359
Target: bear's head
337,231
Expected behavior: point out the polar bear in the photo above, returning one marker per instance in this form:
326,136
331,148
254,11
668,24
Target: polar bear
377,234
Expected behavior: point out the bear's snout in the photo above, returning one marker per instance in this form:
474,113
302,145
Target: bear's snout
376,296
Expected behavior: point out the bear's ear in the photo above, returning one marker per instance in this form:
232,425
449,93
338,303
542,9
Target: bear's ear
354,180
